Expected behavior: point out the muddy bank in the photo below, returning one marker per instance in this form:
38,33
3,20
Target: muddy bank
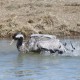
58,17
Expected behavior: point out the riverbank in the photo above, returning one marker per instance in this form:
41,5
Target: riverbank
57,17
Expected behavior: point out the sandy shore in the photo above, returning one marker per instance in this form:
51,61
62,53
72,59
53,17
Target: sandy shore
58,17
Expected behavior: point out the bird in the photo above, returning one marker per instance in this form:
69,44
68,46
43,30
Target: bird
38,43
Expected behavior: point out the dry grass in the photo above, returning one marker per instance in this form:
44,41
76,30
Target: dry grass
59,17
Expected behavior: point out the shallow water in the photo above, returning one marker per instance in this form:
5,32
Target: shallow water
15,66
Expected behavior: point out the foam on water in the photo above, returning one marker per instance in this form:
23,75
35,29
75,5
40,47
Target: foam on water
71,51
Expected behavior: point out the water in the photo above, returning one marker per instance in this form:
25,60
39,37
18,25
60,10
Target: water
15,66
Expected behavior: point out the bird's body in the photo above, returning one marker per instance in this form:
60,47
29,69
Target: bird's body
40,42
48,45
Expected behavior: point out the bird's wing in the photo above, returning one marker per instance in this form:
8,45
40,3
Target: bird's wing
49,44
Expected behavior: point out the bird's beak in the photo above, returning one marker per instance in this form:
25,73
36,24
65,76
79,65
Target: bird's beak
11,42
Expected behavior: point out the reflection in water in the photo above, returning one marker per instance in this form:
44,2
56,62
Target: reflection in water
31,66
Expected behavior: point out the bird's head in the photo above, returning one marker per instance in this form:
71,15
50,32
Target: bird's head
18,36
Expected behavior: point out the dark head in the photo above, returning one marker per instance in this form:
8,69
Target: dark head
19,36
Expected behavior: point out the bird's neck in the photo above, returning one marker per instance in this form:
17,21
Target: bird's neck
19,42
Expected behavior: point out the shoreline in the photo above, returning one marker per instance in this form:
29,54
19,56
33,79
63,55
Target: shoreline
59,37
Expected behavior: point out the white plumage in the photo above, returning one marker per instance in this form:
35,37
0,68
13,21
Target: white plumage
19,35
46,42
